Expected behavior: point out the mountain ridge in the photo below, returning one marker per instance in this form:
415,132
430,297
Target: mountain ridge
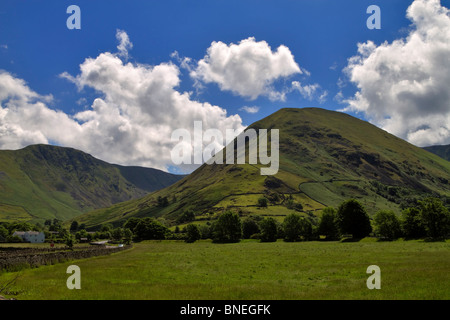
442,151
44,182
325,157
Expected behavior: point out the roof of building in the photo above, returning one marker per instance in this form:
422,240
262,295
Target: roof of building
21,233
99,242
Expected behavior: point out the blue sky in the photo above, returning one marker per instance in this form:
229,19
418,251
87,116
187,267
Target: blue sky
37,48
320,34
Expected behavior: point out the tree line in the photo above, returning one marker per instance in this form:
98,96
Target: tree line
52,228
429,219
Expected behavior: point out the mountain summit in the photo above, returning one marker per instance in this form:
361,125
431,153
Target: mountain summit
326,157
45,182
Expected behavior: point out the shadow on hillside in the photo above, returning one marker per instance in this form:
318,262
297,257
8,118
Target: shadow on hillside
351,239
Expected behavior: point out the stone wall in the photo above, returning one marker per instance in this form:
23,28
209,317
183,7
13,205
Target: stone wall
12,259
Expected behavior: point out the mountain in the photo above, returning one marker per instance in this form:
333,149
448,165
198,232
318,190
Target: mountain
325,157
45,182
441,151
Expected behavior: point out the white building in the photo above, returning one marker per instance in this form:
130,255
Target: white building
31,236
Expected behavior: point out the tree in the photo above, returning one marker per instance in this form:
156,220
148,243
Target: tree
57,222
435,218
163,201
105,235
127,235
205,231
55,226
117,234
187,216
353,219
150,229
14,239
228,228
81,234
328,224
74,226
63,232
292,227
387,225
262,202
249,227
298,207
68,240
412,224
107,227
306,230
269,230
4,233
297,228
131,223
193,233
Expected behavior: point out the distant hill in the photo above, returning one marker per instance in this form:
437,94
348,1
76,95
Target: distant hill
45,182
441,151
326,157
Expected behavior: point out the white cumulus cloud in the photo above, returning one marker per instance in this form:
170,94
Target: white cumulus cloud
25,117
248,69
130,122
248,109
124,43
310,91
403,86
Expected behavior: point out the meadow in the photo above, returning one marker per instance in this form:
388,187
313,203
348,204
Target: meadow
175,270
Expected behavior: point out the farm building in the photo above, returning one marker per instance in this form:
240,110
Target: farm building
31,236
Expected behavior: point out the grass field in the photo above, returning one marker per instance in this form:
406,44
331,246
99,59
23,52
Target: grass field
175,270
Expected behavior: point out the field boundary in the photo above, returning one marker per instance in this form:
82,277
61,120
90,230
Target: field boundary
17,259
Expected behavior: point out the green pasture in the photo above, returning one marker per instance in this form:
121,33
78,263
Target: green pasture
177,270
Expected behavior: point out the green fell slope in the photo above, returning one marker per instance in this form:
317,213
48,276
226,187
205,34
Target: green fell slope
326,157
442,151
45,182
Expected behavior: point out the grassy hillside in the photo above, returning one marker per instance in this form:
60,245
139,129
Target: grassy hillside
326,157
45,182
441,151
